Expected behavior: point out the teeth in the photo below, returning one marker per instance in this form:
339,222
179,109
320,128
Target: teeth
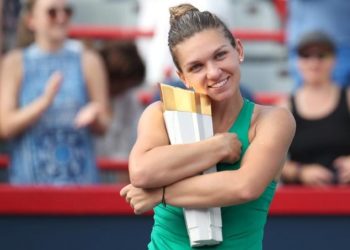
219,84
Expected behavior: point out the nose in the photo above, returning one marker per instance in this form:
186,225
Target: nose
213,71
61,17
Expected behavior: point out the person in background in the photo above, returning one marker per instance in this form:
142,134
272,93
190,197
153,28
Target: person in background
249,146
320,151
330,17
126,72
53,94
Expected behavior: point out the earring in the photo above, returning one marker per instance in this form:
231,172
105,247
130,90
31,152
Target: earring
241,59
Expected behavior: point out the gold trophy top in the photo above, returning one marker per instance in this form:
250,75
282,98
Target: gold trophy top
177,99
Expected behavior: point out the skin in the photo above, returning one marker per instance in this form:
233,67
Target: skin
317,98
50,35
207,60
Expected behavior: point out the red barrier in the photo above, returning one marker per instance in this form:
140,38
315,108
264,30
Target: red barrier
105,200
123,33
67,200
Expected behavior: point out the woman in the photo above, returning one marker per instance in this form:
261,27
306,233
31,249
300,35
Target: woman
320,151
208,59
52,93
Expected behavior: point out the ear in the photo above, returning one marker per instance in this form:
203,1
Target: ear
183,79
240,50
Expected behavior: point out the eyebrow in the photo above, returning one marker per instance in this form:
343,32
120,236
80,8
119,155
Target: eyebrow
196,61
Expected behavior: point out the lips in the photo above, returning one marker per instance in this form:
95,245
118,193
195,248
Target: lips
219,84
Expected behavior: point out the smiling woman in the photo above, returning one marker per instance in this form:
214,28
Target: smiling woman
249,145
52,91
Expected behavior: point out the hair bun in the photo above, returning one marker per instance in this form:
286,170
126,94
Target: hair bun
177,11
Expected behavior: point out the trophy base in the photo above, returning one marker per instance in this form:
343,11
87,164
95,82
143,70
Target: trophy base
212,237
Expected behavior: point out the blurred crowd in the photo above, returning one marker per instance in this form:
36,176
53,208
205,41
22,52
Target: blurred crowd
64,102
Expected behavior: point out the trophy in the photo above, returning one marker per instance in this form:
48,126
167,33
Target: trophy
188,119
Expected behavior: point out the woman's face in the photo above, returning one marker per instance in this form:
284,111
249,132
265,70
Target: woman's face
209,64
316,65
50,19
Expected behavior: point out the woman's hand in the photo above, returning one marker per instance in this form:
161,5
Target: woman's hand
342,164
141,200
52,87
231,147
315,175
87,115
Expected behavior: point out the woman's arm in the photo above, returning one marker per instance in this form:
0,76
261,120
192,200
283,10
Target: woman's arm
14,120
96,113
261,164
155,163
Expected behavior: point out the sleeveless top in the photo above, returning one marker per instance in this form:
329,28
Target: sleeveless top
52,150
322,140
242,225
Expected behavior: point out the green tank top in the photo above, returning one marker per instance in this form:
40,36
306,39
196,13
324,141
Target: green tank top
242,225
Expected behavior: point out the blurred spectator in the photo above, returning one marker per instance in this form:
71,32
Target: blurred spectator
331,17
126,71
52,93
320,151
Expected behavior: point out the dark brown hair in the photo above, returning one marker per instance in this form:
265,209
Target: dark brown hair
186,20
125,67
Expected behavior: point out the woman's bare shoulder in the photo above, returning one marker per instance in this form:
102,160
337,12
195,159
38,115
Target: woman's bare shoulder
12,66
13,57
154,108
274,118
268,113
153,114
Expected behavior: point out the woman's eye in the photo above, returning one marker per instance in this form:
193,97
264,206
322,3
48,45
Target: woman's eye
195,68
220,55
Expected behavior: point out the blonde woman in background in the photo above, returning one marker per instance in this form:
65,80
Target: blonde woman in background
53,95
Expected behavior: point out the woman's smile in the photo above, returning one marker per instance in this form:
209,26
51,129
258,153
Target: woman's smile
219,84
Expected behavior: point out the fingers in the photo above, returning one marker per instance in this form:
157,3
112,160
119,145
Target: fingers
344,176
316,175
131,196
87,115
53,85
123,192
235,148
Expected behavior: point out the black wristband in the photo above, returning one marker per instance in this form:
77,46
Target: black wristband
163,197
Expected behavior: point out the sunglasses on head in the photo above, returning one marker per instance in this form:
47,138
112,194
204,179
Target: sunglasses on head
317,55
54,11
